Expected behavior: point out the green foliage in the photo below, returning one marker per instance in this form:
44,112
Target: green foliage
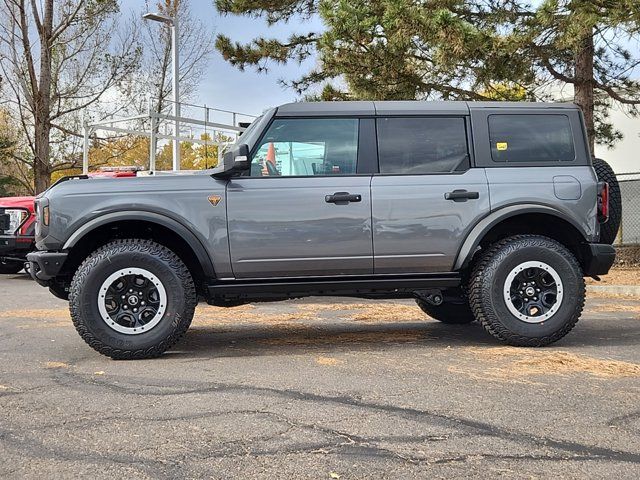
8,183
455,49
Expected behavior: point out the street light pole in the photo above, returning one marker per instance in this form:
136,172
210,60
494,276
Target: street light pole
176,93
173,23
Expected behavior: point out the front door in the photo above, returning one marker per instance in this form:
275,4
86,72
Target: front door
302,210
426,197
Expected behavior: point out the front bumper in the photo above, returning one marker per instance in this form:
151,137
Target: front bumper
43,266
597,259
15,246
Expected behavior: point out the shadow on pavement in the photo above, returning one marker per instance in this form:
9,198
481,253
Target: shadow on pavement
293,339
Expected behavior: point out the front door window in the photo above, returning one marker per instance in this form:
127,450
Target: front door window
307,147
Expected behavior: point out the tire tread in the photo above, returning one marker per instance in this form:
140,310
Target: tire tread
609,230
142,246
479,289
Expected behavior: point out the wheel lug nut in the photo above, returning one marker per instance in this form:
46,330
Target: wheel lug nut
537,289
125,307
143,303
135,309
123,297
130,290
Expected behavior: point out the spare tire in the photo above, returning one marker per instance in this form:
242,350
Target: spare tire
609,230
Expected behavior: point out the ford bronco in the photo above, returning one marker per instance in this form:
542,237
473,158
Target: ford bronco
487,212
18,221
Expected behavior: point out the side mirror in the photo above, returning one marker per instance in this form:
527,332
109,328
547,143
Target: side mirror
234,161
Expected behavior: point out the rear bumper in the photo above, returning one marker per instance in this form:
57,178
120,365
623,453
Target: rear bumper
15,246
598,259
43,266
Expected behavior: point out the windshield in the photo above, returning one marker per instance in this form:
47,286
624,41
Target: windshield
252,133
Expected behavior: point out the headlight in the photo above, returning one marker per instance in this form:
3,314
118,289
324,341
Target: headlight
16,218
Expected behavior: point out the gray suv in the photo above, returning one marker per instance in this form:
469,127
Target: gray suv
487,212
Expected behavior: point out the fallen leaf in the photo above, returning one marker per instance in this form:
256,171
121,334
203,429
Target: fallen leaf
56,365
329,361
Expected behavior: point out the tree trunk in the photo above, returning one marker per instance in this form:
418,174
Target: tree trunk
41,170
584,88
42,110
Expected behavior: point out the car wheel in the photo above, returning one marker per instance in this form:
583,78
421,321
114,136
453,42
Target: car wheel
132,299
10,267
451,313
527,290
609,230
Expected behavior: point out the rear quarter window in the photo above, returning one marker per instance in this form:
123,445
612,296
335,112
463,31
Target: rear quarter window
539,138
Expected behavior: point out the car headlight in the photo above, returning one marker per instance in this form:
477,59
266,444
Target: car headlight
16,218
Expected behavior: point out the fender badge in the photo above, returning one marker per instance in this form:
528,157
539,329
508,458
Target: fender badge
214,199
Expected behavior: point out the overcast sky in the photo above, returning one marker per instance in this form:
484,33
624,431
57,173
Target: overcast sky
226,87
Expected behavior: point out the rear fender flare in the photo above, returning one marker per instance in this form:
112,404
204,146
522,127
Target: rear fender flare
478,232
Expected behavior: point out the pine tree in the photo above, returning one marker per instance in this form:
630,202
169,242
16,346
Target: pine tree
453,49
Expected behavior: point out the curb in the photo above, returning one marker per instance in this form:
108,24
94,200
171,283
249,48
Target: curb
626,290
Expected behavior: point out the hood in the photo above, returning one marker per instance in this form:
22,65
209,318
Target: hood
23,202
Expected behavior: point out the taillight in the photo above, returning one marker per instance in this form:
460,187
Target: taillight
603,202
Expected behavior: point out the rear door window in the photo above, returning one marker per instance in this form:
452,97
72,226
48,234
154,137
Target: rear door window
531,138
422,145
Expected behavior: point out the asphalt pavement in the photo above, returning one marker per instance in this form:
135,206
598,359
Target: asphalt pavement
320,388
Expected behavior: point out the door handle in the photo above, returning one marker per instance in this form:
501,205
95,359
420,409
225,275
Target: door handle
461,195
342,198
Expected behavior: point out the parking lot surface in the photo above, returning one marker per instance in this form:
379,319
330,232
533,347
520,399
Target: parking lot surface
320,388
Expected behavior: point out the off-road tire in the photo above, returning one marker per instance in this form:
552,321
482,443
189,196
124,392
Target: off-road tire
609,230
450,313
488,279
10,267
132,253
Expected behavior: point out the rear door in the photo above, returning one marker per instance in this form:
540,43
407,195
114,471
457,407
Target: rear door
304,210
426,197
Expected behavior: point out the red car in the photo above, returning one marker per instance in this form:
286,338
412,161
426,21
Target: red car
17,223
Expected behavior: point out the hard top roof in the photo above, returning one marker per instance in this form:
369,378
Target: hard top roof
408,107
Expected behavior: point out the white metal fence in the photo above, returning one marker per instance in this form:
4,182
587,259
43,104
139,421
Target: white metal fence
629,233
197,124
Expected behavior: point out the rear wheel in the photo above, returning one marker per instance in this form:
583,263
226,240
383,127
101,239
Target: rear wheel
609,230
10,267
132,299
527,290
451,313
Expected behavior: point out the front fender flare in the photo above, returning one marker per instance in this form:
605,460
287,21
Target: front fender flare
184,232
478,232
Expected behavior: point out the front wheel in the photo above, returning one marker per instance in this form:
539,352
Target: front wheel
527,290
132,299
